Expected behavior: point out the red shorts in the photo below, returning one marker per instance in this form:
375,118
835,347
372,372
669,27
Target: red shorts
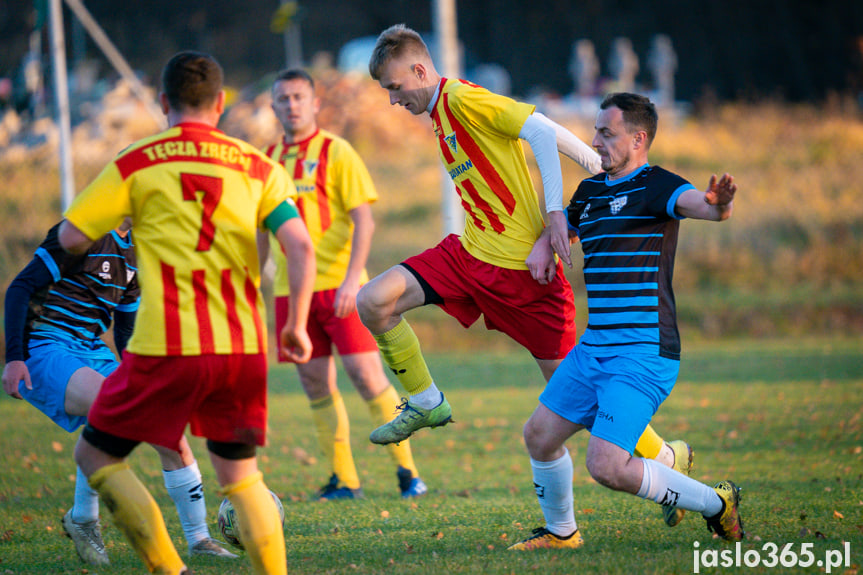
151,399
539,317
348,334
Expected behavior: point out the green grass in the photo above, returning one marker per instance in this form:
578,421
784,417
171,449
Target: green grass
781,418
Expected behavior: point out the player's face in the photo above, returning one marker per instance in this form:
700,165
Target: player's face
404,80
296,107
612,141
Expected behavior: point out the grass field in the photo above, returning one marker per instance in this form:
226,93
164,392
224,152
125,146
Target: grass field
783,419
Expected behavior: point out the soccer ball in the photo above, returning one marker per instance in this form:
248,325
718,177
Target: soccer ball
228,520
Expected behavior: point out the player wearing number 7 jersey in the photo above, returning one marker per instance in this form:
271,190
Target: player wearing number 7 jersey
198,352
483,271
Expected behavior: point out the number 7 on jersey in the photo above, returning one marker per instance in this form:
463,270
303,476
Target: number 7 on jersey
211,190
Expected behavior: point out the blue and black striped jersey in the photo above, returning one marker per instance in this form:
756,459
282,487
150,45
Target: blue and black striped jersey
86,290
628,232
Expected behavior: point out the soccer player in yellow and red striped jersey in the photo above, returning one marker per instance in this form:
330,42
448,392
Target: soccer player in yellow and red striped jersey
198,352
335,193
484,271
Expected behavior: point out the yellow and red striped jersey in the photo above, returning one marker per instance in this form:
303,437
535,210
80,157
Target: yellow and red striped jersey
477,134
331,180
196,198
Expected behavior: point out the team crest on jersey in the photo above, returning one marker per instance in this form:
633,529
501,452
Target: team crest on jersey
129,275
617,204
105,274
584,214
309,167
450,141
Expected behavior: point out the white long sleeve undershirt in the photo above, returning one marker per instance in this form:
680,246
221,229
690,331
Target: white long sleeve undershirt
542,139
536,131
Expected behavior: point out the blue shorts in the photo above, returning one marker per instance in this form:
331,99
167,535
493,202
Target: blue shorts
51,364
613,397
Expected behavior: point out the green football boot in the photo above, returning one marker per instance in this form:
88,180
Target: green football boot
410,419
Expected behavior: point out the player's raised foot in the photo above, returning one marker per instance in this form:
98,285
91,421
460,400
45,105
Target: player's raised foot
88,540
683,455
727,523
211,548
410,419
332,491
409,485
542,538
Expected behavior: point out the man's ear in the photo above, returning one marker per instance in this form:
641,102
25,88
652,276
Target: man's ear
220,102
420,71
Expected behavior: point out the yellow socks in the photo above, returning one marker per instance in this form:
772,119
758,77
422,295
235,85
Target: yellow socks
334,437
138,517
258,521
649,444
382,409
400,350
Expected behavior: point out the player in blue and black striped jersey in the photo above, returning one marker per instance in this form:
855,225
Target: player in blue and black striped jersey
56,310
628,230
626,363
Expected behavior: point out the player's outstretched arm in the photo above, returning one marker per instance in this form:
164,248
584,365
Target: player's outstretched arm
716,203
294,342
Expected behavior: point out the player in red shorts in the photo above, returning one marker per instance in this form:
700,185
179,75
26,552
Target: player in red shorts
483,271
335,196
198,352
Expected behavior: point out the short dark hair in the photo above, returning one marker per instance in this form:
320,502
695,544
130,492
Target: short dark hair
394,42
294,74
639,113
191,80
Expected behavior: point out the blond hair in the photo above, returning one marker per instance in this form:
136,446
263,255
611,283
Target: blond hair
395,42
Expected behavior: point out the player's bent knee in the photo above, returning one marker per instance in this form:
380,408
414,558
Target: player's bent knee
540,445
171,460
368,306
605,474
111,444
232,451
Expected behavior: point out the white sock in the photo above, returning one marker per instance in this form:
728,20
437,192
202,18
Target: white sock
428,398
185,488
553,483
668,487
86,506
